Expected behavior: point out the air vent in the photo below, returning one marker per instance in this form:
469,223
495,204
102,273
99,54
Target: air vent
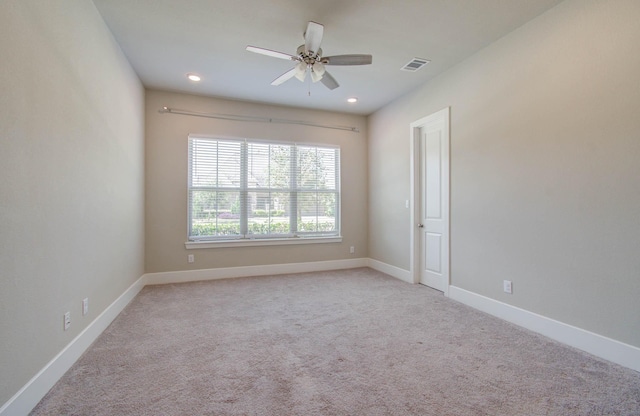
415,64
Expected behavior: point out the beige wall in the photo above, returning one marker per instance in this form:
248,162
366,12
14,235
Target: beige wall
545,190
545,168
166,179
71,178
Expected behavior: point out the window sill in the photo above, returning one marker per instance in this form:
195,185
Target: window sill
191,245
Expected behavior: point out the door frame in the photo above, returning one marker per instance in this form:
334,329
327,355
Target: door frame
415,194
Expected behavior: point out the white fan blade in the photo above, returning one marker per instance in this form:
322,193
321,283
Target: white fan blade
347,60
329,81
285,77
313,37
271,53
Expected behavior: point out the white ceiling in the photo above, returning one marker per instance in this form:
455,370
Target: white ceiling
166,39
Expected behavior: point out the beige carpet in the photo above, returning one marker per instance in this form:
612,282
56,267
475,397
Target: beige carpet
354,342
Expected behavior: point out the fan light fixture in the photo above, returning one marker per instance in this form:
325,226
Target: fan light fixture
317,71
301,70
309,58
193,77
352,100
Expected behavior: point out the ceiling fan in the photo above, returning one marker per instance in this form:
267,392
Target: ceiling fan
309,59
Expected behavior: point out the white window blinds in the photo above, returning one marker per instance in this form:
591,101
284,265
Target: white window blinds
244,189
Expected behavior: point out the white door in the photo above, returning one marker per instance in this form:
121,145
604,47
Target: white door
433,189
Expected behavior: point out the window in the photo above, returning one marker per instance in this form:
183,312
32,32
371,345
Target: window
249,189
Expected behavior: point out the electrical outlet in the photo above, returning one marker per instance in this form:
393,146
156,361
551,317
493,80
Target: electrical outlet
191,258
506,286
67,320
352,249
85,306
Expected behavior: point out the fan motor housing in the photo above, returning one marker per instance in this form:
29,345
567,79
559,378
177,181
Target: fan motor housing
309,58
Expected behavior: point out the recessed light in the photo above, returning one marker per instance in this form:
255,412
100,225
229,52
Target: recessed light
193,77
352,100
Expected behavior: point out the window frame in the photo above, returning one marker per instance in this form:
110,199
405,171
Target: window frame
245,238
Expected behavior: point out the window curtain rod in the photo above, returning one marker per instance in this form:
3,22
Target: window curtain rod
255,119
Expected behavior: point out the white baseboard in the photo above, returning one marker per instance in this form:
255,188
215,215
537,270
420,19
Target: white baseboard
598,345
31,393
394,271
245,271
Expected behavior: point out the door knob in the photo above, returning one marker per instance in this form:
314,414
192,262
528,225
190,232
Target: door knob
420,225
